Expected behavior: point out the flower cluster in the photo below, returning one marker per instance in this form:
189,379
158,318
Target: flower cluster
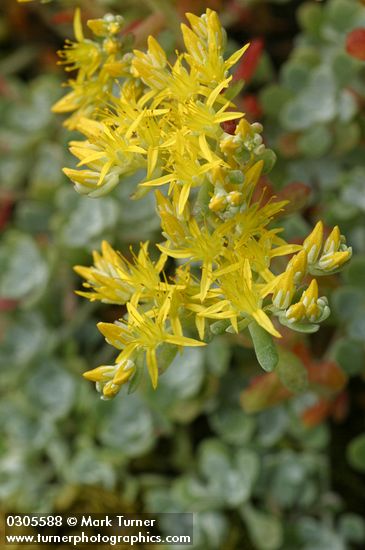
137,111
98,63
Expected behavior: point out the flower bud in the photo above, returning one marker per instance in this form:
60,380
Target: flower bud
296,312
333,241
313,243
331,262
298,264
284,291
235,198
218,203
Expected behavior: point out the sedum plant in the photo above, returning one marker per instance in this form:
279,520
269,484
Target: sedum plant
140,114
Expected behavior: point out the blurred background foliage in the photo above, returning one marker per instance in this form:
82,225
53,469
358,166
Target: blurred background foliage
267,461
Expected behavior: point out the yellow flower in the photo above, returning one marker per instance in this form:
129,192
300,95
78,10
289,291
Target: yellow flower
327,257
205,43
261,250
83,55
95,62
239,297
137,111
187,173
201,245
109,25
335,252
142,333
103,278
113,279
110,378
151,66
107,154
203,117
174,226
309,307
171,126
85,98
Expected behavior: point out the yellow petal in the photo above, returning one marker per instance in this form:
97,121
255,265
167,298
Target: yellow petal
100,374
79,35
264,321
232,60
313,243
152,366
183,341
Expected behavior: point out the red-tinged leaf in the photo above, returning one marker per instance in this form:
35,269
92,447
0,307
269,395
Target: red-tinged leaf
152,25
355,43
340,407
297,194
327,374
5,89
229,126
131,26
316,414
62,17
302,351
248,64
7,304
252,107
263,392
6,205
